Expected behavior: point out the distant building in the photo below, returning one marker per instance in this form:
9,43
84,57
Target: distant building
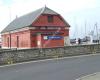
43,28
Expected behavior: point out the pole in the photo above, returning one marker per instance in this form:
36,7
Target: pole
85,28
10,14
97,33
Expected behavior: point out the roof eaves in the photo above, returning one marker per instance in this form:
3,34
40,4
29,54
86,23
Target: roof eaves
64,21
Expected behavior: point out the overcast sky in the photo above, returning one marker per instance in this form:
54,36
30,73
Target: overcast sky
77,13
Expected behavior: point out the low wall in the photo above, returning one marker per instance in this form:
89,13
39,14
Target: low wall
14,56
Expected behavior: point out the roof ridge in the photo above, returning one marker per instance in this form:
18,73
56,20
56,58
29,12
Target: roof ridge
46,11
43,9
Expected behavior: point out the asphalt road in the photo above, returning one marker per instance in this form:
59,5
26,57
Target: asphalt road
64,69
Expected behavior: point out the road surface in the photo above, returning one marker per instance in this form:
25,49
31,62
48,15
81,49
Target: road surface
63,69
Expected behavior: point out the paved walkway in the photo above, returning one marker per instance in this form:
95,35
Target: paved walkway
95,76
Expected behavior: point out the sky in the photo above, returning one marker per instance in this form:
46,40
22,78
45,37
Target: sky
82,15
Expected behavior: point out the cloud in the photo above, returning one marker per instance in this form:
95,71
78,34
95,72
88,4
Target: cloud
17,7
1,2
21,7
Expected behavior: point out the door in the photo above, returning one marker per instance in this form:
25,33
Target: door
17,41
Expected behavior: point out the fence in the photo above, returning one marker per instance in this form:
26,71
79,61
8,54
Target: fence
14,55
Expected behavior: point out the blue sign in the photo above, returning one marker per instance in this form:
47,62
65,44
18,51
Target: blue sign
54,37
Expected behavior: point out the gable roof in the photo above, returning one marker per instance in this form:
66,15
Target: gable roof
27,19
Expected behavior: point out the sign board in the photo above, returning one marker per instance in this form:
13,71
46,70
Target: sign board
53,37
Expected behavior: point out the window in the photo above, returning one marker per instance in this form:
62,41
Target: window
58,28
50,19
37,28
42,27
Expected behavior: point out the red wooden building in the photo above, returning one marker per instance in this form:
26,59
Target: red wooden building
43,28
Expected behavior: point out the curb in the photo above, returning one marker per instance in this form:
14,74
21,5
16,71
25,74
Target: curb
93,76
